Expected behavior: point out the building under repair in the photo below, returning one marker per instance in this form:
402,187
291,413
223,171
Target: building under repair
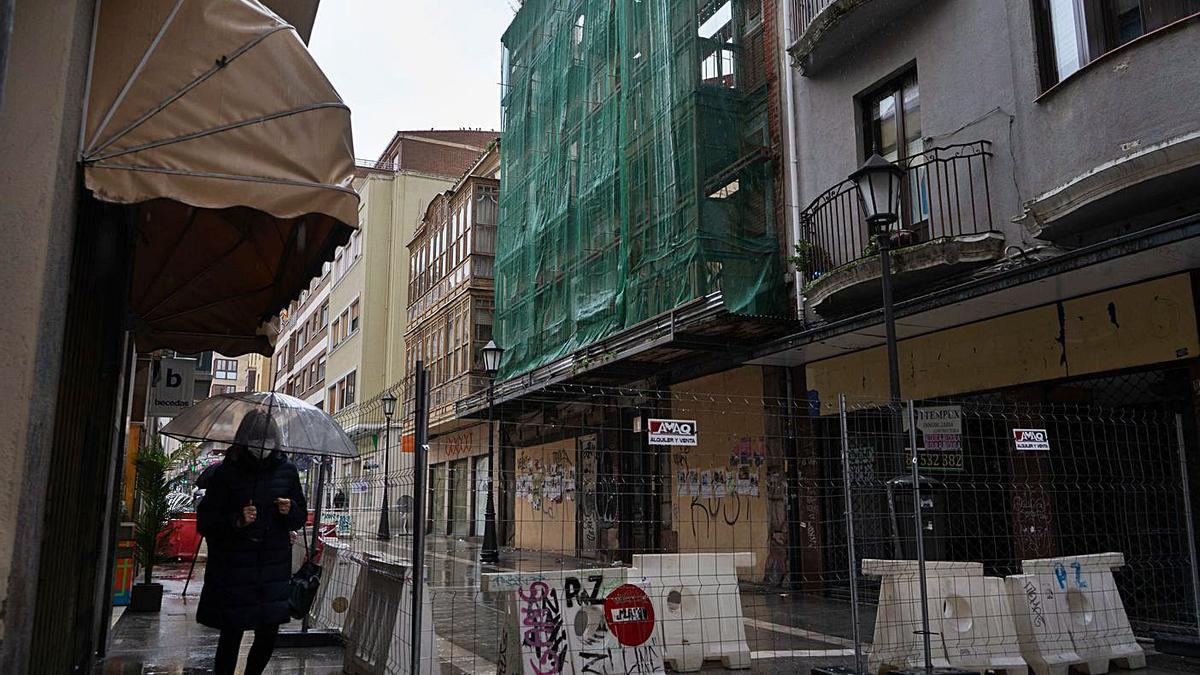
636,170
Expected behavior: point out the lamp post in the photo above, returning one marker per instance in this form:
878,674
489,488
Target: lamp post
489,554
389,409
878,183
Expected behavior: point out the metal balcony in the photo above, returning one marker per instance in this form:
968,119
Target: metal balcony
945,198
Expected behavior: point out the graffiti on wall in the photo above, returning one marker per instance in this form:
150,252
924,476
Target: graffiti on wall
588,519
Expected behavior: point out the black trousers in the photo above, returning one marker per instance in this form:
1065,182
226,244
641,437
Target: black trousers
260,652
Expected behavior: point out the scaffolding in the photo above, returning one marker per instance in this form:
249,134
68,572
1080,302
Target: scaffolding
636,172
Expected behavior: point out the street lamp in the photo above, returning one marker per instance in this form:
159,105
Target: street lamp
878,183
389,408
489,555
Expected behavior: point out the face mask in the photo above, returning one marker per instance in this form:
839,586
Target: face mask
259,453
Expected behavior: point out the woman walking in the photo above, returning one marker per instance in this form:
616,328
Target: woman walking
252,504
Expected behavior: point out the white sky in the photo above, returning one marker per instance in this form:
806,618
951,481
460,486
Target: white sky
412,64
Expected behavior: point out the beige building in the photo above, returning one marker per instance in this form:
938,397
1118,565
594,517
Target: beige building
369,284
254,373
451,302
299,361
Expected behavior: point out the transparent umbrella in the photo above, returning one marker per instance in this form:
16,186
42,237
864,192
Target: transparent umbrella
277,421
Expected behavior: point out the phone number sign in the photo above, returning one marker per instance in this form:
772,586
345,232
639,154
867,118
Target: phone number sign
939,438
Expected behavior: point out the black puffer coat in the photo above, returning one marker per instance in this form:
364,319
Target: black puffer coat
246,578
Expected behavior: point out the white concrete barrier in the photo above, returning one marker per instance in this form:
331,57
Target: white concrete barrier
377,628
970,618
1042,629
698,604
339,574
554,623
1080,595
976,624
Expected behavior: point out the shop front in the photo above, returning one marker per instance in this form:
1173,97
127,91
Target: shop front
458,481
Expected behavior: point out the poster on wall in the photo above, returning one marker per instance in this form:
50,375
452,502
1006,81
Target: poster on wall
587,520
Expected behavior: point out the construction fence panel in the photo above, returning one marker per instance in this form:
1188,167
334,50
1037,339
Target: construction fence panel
641,530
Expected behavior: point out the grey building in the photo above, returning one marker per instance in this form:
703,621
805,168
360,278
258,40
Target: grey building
1051,156
1050,152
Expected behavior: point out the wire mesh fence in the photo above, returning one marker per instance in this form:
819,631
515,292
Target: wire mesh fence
645,530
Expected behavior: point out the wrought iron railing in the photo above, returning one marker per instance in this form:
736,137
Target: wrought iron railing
944,194
805,12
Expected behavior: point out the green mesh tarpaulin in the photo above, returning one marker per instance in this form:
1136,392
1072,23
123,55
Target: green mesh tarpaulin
635,170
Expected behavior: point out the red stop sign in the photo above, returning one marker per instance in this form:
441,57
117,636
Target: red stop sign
629,615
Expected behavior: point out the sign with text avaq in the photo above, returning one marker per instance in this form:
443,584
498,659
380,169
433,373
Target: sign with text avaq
672,432
1031,440
172,387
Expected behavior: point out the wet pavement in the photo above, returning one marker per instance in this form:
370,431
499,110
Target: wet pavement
786,633
171,642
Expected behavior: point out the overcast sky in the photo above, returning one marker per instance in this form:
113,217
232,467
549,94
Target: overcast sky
412,64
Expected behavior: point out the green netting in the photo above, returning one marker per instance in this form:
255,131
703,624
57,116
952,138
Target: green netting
635,171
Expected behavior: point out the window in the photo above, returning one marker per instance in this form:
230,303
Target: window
485,206
1072,33
324,314
335,335
225,369
345,324
891,118
717,48
218,389
252,379
353,316
356,244
321,370
341,393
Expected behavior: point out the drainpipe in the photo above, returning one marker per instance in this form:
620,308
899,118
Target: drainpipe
7,8
793,161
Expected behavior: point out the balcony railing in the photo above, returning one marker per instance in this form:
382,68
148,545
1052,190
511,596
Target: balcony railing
389,165
944,194
806,11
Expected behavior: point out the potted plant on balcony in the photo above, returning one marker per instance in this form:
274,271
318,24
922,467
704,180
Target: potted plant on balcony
152,487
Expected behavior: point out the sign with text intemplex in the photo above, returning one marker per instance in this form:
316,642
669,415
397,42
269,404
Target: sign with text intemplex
939,437
672,432
172,387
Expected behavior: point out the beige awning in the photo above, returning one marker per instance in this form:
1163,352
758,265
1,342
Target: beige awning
212,117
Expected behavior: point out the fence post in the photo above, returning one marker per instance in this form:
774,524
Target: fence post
851,557
1187,514
317,498
420,448
920,536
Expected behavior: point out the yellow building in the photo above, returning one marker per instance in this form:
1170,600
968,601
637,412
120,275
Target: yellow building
369,293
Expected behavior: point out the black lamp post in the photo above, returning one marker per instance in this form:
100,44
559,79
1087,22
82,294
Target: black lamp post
878,183
389,409
489,554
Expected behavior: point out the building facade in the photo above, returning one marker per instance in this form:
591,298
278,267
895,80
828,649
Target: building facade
1037,148
450,315
368,294
641,245
300,361
254,373
1049,253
